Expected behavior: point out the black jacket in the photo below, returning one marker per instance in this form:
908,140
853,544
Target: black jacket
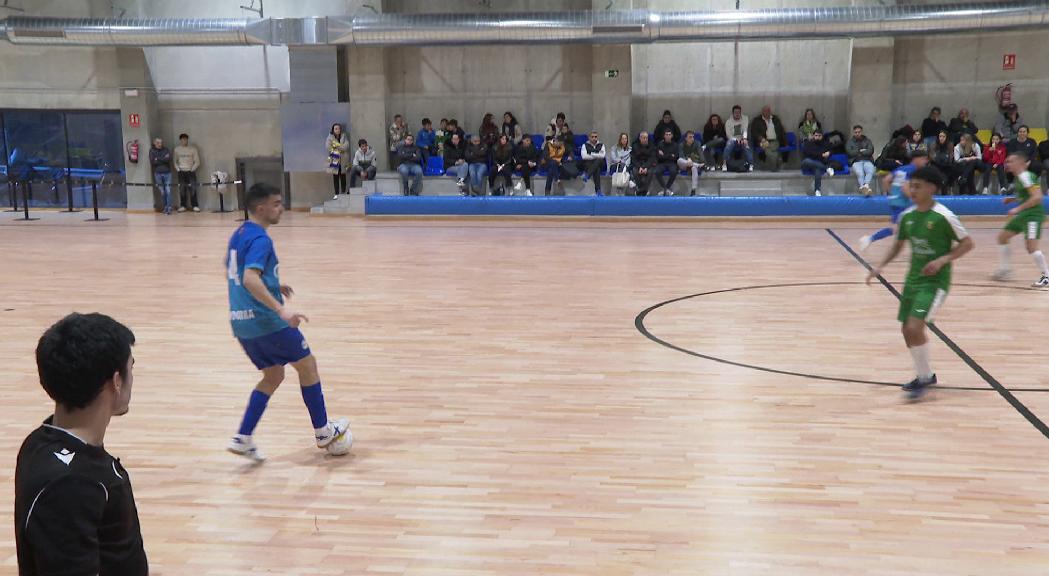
814,150
503,154
956,128
160,160
477,154
453,154
409,155
759,129
657,134
930,127
1027,147
526,153
710,133
667,152
642,155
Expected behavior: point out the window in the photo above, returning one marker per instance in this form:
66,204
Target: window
96,154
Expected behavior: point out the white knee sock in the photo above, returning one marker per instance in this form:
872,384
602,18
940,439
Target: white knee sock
1003,256
920,355
1039,259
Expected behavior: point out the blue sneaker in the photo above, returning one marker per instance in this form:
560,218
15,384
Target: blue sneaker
915,389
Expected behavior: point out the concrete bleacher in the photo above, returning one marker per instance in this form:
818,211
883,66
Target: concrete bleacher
783,183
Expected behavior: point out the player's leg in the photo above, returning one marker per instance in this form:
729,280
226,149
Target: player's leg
918,306
1012,228
243,443
866,241
325,431
1032,236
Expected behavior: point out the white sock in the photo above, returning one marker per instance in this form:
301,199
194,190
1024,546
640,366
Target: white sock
920,355
1003,256
1039,259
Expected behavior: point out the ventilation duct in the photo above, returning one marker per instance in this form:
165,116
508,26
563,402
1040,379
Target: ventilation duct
598,27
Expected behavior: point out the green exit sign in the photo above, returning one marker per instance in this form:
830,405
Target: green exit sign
612,73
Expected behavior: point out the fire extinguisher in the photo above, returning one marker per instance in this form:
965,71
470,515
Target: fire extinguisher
132,151
1004,94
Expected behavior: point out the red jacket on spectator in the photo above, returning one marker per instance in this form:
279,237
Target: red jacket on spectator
995,156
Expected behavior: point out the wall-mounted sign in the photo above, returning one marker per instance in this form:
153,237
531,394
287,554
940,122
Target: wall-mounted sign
612,73
134,120
1009,62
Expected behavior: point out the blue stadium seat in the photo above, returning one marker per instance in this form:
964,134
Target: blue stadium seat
792,143
434,166
842,159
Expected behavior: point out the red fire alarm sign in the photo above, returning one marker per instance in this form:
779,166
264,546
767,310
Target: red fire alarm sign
134,120
1009,62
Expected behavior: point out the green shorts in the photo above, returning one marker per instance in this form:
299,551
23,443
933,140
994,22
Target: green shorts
1030,225
921,301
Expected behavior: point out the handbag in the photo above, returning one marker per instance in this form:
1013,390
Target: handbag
620,179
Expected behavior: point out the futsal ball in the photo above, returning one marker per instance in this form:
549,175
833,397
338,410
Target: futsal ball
341,446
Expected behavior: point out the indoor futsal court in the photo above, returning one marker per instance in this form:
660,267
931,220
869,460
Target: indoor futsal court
676,397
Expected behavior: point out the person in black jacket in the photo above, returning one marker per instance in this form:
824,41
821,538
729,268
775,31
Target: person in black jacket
814,157
667,152
502,165
526,161
667,123
962,124
767,131
410,164
714,140
477,159
931,126
160,162
642,163
455,161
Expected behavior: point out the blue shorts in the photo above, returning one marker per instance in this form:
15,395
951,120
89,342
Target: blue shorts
277,349
896,211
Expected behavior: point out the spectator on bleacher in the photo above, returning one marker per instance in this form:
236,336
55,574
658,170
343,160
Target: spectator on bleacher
363,163
994,157
666,162
441,136
512,128
667,123
618,160
557,127
455,159
338,147
931,126
967,160
526,160
398,130
860,150
961,124
454,128
489,131
502,165
593,156
477,159
941,155
642,162
426,140
187,160
815,157
1009,123
737,136
555,154
893,155
917,142
410,164
767,130
690,158
1043,153
1023,143
160,164
808,125
714,140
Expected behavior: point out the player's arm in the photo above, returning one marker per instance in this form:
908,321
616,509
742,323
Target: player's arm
897,246
1034,200
963,247
62,527
257,288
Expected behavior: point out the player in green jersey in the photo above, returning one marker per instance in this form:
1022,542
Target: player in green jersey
937,238
1027,218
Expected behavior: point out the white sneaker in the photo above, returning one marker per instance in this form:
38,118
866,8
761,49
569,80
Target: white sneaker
668,193
245,446
1002,275
1042,282
818,193
528,192
865,242
751,168
196,209
331,432
460,182
335,197
519,186
181,208
830,171
1004,190
986,191
724,168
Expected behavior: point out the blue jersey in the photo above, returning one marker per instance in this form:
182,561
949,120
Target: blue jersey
898,197
251,248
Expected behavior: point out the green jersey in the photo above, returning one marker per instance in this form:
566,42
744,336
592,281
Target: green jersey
931,234
1021,186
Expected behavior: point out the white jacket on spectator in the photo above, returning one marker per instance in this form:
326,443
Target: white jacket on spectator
618,156
958,152
737,129
593,152
366,159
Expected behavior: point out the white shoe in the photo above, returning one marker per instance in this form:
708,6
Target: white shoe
865,242
751,168
1042,282
986,191
245,446
332,432
335,197
1002,275
1004,190
460,182
818,193
519,186
724,168
830,171
196,209
181,208
528,192
668,193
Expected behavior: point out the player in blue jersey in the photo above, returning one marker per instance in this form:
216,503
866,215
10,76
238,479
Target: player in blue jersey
899,200
268,330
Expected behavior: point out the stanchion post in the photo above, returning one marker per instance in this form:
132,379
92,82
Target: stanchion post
25,205
69,194
94,203
12,189
243,203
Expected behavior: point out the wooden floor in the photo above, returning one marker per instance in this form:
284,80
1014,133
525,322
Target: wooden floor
511,419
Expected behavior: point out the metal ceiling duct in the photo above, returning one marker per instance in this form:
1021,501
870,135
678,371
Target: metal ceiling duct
597,27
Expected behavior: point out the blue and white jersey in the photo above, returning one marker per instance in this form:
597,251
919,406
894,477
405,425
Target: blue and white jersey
251,248
898,197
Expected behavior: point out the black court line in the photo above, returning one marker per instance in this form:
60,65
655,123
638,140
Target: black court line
991,380
639,324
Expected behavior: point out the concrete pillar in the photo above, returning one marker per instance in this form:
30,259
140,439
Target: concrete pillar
137,96
368,95
612,96
870,87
